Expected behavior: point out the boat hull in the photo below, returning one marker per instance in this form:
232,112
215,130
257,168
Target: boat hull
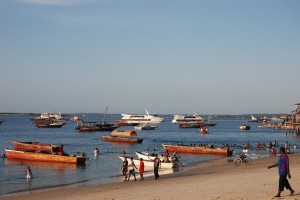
36,146
196,149
149,165
121,139
145,156
43,157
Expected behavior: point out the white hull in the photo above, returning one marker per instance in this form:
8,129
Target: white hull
187,119
141,119
149,165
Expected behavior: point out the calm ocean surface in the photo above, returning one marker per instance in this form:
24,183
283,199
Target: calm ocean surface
106,167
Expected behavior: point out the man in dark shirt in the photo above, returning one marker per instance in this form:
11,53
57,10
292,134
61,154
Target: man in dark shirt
284,171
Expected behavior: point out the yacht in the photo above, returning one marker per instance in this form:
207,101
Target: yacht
136,119
192,119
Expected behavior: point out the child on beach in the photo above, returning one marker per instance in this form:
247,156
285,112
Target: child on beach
284,171
28,173
141,170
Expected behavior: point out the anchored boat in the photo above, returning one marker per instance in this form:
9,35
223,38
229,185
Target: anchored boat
45,157
193,149
36,147
122,136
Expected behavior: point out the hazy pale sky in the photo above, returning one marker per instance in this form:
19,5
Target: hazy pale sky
169,56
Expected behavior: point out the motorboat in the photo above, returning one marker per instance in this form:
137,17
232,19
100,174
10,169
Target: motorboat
245,127
193,119
136,119
145,127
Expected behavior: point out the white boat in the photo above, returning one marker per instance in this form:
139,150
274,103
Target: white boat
145,127
149,165
192,119
145,155
46,115
135,119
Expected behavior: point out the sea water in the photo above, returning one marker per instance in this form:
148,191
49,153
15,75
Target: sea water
106,167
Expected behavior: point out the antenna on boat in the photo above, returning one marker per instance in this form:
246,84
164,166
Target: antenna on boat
147,112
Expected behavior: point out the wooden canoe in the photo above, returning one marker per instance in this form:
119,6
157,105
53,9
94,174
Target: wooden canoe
36,146
196,149
44,157
149,165
121,139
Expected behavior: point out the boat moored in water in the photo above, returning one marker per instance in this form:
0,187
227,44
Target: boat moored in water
36,147
145,127
199,149
44,157
126,136
136,119
245,127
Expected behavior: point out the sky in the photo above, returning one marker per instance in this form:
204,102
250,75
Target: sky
168,56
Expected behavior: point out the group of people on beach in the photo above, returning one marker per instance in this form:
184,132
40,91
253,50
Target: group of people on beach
130,167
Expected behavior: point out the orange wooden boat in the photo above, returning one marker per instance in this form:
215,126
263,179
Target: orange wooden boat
122,136
197,149
121,139
44,157
36,146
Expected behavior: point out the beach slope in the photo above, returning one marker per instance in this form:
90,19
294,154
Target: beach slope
213,180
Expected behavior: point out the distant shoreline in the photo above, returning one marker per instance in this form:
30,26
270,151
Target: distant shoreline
214,116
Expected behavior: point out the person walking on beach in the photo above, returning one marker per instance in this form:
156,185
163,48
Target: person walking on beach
124,168
157,164
28,172
284,171
141,170
131,169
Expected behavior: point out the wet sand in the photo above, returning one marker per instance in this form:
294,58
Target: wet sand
214,180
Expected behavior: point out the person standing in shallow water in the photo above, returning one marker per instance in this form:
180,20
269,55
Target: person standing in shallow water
28,172
284,171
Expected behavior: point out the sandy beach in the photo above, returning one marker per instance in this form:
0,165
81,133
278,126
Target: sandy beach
213,180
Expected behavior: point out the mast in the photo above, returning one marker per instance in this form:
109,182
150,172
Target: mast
104,115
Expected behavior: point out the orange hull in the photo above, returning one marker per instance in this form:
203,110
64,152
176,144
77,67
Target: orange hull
121,139
195,149
44,157
36,146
